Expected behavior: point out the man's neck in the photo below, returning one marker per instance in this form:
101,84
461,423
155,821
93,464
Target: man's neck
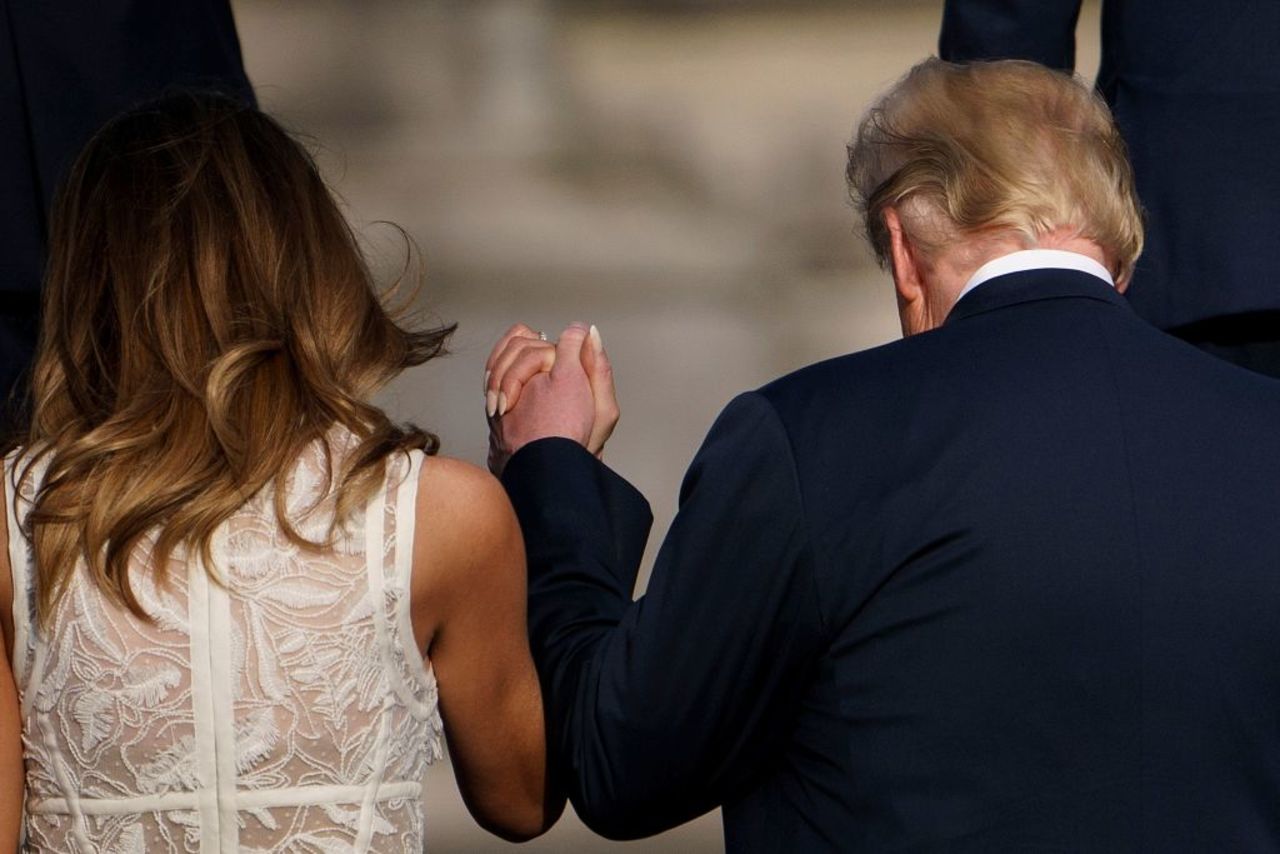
1036,259
964,269
968,259
947,274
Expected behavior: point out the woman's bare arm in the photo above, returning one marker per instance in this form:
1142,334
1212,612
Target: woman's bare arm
469,613
11,770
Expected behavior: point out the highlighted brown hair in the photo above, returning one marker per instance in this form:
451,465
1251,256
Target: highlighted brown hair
207,314
969,150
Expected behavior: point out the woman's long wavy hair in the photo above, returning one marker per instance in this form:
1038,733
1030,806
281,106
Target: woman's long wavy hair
207,315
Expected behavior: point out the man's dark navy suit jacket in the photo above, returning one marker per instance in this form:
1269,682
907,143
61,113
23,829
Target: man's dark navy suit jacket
1195,88
1009,585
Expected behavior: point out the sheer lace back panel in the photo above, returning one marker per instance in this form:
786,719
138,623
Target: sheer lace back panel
287,709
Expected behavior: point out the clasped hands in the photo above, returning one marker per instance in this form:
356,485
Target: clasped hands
536,389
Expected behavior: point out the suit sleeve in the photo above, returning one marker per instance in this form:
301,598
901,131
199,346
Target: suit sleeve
1039,30
663,708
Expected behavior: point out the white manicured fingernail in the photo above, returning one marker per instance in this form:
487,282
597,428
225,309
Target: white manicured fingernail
502,403
490,403
594,335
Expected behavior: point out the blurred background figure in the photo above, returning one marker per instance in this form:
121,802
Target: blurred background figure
672,171
65,68
1196,91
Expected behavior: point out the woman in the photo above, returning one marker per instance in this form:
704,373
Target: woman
231,590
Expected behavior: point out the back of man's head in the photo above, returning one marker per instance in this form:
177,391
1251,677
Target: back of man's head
993,150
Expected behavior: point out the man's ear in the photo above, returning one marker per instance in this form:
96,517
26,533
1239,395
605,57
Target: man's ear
907,278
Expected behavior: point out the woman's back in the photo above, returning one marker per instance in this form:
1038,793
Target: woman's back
217,645
288,708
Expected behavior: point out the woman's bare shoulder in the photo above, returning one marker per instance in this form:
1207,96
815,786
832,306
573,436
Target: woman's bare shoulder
464,524
462,497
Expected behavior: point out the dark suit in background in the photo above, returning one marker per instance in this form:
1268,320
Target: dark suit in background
1010,585
66,66
1195,88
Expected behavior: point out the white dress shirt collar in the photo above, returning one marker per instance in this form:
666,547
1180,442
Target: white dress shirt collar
1036,259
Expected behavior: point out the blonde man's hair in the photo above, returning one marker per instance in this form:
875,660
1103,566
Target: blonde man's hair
967,151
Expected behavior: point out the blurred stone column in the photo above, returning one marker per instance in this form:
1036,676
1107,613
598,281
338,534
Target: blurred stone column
510,87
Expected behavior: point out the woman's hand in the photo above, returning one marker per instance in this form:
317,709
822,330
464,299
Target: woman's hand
563,389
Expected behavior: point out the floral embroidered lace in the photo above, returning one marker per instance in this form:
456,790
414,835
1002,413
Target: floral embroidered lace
284,709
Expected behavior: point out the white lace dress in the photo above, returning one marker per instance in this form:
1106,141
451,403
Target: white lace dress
286,711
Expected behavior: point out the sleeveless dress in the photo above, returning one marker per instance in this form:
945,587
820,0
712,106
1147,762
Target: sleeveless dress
288,710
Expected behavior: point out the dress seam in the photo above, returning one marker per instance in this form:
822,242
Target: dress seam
245,799
202,703
224,731
375,570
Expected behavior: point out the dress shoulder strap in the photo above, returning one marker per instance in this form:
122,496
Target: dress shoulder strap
389,534
403,480
20,484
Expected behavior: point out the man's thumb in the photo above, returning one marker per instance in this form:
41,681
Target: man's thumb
569,351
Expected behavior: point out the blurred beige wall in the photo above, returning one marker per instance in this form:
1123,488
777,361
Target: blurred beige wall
674,177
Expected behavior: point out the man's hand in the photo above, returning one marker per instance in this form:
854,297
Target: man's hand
564,389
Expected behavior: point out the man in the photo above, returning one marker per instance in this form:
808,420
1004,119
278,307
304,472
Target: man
1195,87
66,67
1009,584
